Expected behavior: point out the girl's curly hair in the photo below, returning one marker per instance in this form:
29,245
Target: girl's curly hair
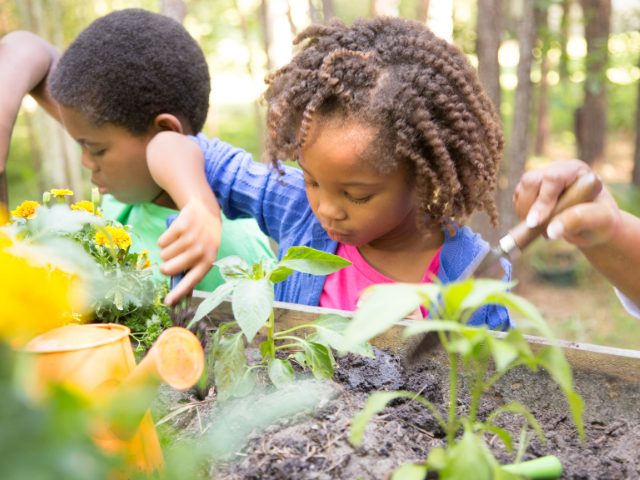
417,90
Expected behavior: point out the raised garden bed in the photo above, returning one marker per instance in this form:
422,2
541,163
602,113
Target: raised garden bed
301,430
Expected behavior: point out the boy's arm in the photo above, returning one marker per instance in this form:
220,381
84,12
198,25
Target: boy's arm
607,237
25,63
176,164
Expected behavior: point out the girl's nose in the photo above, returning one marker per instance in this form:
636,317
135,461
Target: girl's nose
330,209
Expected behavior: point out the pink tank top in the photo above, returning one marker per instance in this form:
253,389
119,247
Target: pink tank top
342,289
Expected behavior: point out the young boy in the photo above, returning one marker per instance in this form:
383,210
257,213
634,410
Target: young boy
127,77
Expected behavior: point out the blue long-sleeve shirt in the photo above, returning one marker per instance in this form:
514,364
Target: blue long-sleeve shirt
246,188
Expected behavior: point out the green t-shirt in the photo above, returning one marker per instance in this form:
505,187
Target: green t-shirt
239,237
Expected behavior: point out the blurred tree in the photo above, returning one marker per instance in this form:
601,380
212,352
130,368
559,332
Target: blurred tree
636,158
173,8
327,10
489,33
591,120
517,154
543,128
422,10
565,23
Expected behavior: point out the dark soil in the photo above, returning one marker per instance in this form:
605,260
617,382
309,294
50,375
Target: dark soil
301,432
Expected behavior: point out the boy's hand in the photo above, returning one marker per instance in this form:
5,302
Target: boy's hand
191,243
585,225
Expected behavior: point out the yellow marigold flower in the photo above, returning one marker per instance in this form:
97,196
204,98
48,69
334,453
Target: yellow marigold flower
143,256
26,210
21,315
86,206
120,237
61,192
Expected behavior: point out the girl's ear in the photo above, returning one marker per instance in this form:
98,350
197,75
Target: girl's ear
165,122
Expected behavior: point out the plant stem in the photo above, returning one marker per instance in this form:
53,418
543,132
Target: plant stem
284,332
288,345
272,344
453,398
478,388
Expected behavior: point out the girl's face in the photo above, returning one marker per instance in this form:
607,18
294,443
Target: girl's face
355,204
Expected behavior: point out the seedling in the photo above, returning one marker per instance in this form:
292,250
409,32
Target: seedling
252,288
450,307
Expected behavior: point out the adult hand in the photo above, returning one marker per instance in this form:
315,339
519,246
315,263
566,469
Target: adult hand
585,225
191,243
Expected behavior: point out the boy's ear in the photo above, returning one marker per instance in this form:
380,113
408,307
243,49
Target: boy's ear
165,122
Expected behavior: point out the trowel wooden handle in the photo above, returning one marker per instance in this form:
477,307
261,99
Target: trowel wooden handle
584,189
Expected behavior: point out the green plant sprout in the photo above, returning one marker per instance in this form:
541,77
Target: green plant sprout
252,288
450,307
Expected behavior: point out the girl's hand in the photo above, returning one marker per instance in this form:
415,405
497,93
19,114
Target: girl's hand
191,243
585,225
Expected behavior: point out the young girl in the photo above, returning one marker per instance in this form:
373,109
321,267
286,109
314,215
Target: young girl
397,146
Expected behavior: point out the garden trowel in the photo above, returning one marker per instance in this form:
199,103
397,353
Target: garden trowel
584,189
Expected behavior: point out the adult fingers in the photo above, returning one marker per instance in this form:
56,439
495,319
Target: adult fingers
555,179
584,225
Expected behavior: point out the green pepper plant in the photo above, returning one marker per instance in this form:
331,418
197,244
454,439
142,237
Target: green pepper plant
471,348
252,303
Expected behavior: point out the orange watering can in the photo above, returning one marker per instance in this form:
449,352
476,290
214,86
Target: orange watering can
97,360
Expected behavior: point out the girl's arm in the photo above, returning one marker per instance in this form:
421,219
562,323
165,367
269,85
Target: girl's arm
608,237
177,165
25,63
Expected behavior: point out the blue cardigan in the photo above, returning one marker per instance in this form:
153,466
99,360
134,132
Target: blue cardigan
246,188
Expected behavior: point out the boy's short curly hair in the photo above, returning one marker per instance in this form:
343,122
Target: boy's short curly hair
417,90
130,66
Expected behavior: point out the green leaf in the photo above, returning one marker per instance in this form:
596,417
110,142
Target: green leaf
384,307
216,337
503,435
265,348
314,262
330,329
280,372
481,291
503,353
467,460
252,304
410,471
523,307
233,267
517,407
437,459
230,366
301,358
432,326
279,274
318,359
554,362
245,386
376,403
212,301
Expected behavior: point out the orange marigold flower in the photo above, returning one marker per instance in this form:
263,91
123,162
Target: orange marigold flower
26,210
61,192
86,206
120,237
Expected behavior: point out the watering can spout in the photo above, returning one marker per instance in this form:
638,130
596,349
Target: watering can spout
176,359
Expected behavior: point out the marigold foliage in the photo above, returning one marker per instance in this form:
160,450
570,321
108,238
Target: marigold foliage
119,235
26,210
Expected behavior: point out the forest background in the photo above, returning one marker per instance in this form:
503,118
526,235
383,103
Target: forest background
564,74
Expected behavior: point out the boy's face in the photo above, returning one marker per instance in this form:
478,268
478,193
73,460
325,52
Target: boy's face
355,204
117,159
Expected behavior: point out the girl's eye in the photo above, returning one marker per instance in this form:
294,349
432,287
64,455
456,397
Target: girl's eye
310,184
357,200
98,154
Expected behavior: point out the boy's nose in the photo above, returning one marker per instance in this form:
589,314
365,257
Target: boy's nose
86,161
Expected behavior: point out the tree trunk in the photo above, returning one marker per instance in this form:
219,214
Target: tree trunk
489,32
636,157
4,190
422,10
266,34
522,106
174,9
564,38
313,12
327,10
543,130
597,14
